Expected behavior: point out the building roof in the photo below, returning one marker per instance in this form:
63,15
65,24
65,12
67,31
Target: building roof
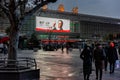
81,17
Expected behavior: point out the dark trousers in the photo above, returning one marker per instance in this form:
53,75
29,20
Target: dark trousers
87,69
99,72
86,76
106,64
112,67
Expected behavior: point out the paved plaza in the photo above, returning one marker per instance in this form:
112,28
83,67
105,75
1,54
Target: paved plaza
55,65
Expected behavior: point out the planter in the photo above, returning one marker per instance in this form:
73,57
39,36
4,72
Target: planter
20,75
24,68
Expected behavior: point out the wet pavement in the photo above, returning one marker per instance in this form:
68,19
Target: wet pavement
55,65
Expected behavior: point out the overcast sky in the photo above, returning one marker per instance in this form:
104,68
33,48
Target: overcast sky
107,8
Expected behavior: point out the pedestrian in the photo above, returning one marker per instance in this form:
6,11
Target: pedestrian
5,49
79,47
105,50
62,47
86,56
67,47
112,57
99,61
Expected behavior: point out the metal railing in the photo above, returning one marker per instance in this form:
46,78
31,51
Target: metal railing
22,63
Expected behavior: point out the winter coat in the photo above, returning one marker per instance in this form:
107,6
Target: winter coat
99,58
86,56
112,54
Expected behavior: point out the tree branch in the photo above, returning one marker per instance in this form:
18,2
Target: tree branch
18,3
32,11
4,9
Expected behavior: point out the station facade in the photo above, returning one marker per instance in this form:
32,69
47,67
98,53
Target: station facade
82,26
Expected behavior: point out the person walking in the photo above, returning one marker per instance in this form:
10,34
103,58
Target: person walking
105,50
67,47
62,47
99,61
112,57
5,49
86,56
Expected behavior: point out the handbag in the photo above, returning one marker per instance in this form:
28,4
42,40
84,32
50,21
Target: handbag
117,64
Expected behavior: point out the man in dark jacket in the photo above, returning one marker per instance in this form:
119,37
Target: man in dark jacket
99,61
86,56
112,56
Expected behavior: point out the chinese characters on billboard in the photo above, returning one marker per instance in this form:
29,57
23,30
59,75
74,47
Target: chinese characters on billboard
54,24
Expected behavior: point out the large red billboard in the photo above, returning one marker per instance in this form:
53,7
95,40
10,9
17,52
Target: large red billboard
53,24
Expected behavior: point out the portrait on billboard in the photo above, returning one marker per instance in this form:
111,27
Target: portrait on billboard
60,25
54,24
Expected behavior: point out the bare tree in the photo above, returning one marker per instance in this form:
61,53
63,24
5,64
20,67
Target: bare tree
16,13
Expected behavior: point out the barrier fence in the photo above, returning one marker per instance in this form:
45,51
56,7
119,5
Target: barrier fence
22,63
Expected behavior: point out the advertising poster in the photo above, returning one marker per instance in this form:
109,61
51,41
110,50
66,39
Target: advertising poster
52,24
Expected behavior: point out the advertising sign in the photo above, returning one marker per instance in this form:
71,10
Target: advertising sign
52,24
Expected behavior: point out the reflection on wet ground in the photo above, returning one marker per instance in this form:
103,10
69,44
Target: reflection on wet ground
55,65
